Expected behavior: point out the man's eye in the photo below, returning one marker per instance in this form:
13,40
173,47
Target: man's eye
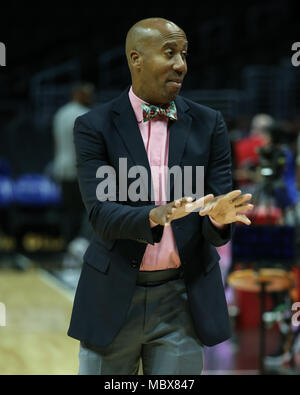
169,52
184,54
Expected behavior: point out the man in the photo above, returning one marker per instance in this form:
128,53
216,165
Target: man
150,285
64,163
246,151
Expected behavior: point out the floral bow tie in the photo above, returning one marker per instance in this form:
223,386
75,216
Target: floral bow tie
151,111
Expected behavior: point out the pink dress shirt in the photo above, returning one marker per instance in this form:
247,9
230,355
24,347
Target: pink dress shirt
155,134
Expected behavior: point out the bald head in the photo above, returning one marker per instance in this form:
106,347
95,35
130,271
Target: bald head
144,33
156,53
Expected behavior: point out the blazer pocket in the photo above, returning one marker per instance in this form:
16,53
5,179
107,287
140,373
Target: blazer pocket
96,256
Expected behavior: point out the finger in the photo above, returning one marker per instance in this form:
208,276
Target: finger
187,199
232,195
177,203
182,201
167,220
244,219
245,207
208,198
169,216
242,199
204,200
206,211
170,210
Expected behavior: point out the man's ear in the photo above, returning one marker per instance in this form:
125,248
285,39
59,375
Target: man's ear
136,59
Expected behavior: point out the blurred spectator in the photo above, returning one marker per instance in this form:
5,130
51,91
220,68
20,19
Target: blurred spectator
276,190
246,151
64,164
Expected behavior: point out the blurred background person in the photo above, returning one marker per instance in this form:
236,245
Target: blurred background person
269,167
246,151
64,164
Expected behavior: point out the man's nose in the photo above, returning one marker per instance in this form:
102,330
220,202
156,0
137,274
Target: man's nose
180,64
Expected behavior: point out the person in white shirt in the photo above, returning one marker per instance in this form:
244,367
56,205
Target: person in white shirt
64,163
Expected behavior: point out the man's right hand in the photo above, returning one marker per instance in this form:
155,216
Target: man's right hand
163,215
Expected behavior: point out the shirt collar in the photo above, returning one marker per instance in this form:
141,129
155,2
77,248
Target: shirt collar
136,103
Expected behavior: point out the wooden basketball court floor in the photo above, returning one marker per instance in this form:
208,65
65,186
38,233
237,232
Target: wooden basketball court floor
34,339
37,313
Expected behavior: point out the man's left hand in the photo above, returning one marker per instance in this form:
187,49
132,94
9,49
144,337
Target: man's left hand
225,209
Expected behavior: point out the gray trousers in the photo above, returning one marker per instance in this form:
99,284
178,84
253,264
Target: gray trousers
158,330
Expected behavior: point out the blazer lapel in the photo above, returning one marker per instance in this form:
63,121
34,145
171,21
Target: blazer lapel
179,132
129,131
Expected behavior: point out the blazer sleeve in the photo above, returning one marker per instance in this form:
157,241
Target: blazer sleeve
218,179
109,219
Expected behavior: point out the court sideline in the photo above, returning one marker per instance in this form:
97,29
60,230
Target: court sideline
34,340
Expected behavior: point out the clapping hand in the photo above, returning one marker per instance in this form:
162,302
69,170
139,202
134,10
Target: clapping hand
225,209
163,215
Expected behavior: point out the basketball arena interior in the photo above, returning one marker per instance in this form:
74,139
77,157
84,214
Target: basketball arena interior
242,62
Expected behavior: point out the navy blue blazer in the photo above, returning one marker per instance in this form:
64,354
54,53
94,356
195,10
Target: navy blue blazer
122,230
